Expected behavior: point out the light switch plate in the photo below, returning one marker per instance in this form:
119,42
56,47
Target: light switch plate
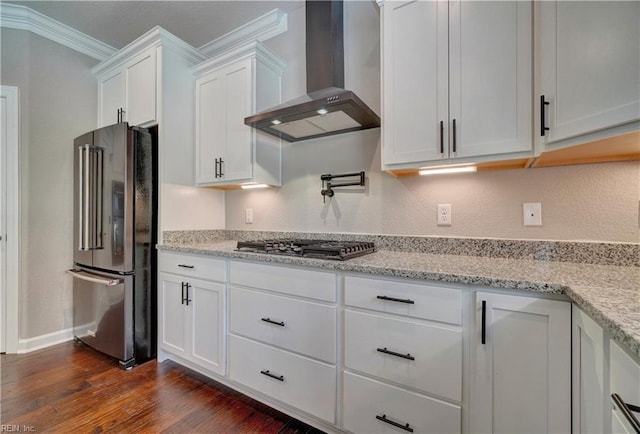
532,214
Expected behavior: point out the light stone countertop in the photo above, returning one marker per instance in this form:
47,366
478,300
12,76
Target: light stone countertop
609,294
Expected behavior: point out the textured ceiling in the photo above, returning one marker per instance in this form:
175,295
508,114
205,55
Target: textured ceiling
119,22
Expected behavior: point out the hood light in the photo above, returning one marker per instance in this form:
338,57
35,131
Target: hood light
322,112
442,170
276,122
250,186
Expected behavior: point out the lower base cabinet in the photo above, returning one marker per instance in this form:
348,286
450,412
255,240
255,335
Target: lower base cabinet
521,375
296,380
374,407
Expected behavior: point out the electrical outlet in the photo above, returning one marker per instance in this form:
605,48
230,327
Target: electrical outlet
444,214
248,216
532,214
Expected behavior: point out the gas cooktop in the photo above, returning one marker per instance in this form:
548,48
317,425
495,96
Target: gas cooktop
322,249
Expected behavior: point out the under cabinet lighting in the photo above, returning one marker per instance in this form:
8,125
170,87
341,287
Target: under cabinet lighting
276,122
249,186
322,111
442,170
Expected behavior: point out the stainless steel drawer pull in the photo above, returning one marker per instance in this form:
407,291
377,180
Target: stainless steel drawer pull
270,321
405,427
83,275
269,374
399,300
627,411
185,266
407,356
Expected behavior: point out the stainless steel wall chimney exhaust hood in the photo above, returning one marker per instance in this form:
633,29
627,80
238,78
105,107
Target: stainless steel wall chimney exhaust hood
327,108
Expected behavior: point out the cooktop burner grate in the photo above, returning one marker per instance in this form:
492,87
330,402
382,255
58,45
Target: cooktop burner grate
322,249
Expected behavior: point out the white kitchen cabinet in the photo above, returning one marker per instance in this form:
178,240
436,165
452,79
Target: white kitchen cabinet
229,88
375,407
191,316
457,80
131,88
521,367
590,382
625,382
283,330
403,349
150,79
589,67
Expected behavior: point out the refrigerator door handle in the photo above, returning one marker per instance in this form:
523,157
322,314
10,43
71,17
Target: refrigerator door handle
83,275
98,244
83,196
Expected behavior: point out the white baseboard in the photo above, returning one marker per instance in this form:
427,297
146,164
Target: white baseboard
43,341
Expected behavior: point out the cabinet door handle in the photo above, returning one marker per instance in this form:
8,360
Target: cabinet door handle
183,298
216,169
270,321
543,128
185,266
118,117
269,374
484,322
405,427
187,286
441,137
454,135
221,166
407,356
627,411
398,300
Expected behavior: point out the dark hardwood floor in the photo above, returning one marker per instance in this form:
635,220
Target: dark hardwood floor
72,388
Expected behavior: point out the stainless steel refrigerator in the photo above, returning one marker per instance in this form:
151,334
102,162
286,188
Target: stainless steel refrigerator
114,237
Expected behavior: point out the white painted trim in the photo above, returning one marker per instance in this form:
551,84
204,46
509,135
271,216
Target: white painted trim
249,50
262,28
12,237
157,36
23,18
43,341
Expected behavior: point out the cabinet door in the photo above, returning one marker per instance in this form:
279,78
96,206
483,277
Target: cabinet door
210,125
172,315
521,376
625,381
490,77
415,81
589,388
589,65
239,138
110,98
206,304
140,88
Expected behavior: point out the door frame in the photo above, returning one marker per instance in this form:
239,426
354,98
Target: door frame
10,197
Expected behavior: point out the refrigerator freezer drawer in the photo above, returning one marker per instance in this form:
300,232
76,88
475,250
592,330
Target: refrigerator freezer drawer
103,312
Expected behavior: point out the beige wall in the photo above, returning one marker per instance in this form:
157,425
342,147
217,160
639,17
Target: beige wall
592,202
58,101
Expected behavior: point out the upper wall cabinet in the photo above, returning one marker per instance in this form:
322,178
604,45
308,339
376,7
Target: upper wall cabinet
457,82
228,88
129,92
149,82
589,68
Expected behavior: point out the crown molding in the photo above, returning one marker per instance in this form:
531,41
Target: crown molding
262,28
155,37
23,18
251,49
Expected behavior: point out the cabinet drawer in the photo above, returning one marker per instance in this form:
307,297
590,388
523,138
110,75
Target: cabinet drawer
414,300
306,384
304,327
437,352
367,401
305,283
193,266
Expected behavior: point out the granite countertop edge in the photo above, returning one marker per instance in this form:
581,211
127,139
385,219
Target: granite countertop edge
583,291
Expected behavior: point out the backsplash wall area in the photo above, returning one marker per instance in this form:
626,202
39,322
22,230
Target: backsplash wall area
597,202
